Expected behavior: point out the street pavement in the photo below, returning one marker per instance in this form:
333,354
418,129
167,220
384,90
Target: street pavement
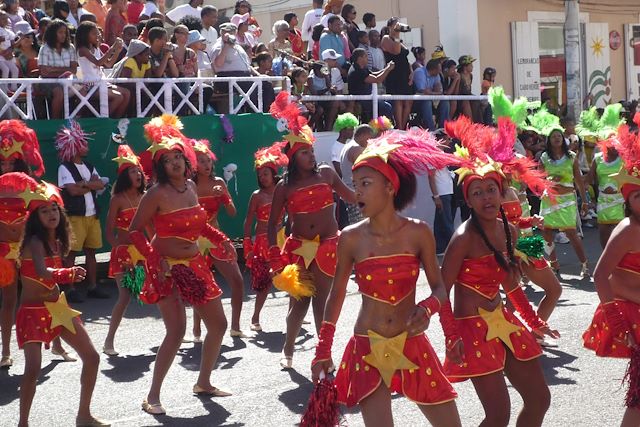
585,390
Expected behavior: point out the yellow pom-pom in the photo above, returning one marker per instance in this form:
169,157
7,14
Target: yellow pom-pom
296,282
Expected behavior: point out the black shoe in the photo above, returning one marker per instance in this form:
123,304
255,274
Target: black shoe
97,293
73,296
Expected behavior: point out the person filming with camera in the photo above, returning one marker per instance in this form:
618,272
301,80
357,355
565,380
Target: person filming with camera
161,55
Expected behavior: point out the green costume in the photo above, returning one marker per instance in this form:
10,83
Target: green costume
610,206
562,214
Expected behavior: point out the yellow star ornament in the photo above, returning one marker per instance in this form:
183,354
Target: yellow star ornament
28,196
308,250
387,355
135,255
8,151
125,160
381,150
498,326
61,313
204,245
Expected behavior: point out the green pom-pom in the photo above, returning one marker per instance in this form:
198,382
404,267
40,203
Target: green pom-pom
532,246
133,281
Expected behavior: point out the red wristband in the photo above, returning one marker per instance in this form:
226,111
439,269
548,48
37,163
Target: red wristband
64,276
523,306
431,304
325,341
449,325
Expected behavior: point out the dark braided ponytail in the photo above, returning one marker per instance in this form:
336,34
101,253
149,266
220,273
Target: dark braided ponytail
496,253
507,233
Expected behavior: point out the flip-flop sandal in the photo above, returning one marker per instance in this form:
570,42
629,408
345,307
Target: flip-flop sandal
214,392
109,351
153,408
6,362
66,356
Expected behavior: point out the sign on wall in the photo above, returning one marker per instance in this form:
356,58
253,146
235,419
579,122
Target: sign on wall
526,60
598,78
632,59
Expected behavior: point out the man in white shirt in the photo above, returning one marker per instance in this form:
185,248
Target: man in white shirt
209,17
348,156
190,9
311,18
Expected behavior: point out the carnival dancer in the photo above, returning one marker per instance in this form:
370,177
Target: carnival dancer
256,253
306,192
613,331
387,250
597,129
212,194
19,152
177,273
126,194
479,259
561,167
44,313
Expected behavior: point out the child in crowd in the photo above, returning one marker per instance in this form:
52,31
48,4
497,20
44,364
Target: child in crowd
8,67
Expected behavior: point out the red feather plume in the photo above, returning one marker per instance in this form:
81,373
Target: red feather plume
16,131
272,155
283,108
16,182
629,146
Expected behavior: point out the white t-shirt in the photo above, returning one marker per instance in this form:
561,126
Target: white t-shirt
87,69
8,38
235,59
336,149
65,177
211,35
149,9
346,164
204,65
444,181
177,13
311,18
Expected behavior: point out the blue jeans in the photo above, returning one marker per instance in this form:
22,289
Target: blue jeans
443,223
426,111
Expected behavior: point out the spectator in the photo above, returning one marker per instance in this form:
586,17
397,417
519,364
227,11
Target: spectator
345,125
333,39
243,37
295,37
193,8
150,10
332,8
98,8
427,82
399,80
348,156
377,55
281,40
360,79
163,63
134,9
31,16
421,55
299,88
205,68
89,17
243,7
91,61
148,25
43,23
14,13
75,13
441,185
8,67
137,63
264,63
185,57
488,80
27,48
465,69
336,86
314,51
349,14
311,18
57,59
209,17
79,181
115,21
369,21
129,32
61,11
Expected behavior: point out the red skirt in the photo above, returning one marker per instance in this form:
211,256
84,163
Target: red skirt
260,274
216,251
482,357
325,257
33,324
599,337
206,288
539,263
120,260
426,385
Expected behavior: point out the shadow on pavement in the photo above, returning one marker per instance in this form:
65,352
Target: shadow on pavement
217,415
296,399
552,366
10,383
125,369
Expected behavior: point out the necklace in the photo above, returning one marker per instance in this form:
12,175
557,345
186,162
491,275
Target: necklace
179,191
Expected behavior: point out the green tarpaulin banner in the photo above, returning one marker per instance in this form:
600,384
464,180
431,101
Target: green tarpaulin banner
251,131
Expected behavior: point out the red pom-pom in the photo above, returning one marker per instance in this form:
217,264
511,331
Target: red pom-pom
260,275
192,288
632,378
323,409
7,272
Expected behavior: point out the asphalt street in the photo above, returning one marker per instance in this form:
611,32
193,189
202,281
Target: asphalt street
586,390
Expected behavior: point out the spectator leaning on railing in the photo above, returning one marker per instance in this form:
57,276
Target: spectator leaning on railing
162,62
360,79
427,82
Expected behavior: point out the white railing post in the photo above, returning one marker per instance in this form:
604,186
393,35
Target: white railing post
65,95
31,110
104,99
138,100
374,100
231,85
168,97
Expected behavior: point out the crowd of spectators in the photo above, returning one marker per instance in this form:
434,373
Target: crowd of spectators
332,51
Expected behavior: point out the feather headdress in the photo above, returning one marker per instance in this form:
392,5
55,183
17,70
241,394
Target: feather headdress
71,140
595,127
203,146
501,106
164,134
628,146
28,189
543,122
288,114
270,157
126,158
17,141
381,124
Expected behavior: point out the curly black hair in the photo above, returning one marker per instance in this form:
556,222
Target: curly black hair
123,182
34,228
51,34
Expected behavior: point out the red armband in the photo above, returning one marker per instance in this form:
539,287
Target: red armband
277,260
523,306
214,235
64,276
449,326
325,341
431,304
141,243
615,319
525,222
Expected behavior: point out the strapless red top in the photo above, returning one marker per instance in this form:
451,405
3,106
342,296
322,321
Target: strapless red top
186,223
12,211
482,275
211,204
310,199
124,218
28,270
263,212
388,279
630,262
512,210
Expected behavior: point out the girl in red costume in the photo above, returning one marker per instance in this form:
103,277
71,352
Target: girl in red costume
213,193
306,192
256,253
177,273
127,192
387,250
19,150
479,259
613,331
44,313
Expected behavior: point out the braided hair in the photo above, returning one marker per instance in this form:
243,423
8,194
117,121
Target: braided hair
506,264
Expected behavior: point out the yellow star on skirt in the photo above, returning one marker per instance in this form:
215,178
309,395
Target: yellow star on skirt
308,250
204,245
135,255
387,355
61,313
498,326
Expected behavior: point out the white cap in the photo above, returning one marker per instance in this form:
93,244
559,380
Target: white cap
330,54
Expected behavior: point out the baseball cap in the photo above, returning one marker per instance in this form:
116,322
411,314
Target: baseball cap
466,60
330,54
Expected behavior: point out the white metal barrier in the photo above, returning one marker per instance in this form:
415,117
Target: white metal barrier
167,96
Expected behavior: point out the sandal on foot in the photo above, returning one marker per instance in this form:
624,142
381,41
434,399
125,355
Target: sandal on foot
197,339
153,408
6,362
238,334
109,351
214,392
286,362
93,422
66,356
256,327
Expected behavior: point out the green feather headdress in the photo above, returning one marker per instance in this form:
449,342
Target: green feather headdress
346,120
502,106
591,126
543,122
